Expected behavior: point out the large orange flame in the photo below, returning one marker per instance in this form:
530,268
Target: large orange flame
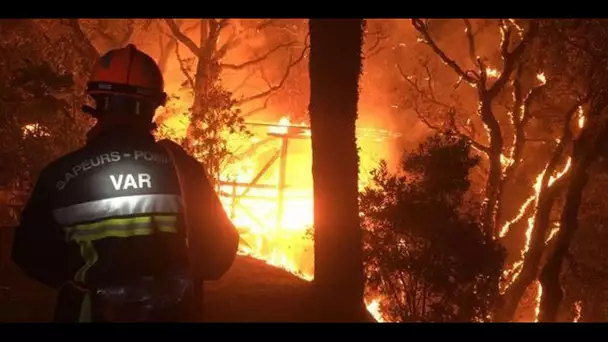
267,191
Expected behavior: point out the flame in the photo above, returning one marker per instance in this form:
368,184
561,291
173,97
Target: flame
520,30
34,130
581,117
539,296
273,207
505,161
541,78
552,233
373,307
578,308
520,214
517,267
533,199
492,73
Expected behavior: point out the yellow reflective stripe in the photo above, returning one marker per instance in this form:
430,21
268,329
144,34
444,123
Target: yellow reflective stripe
164,204
90,257
85,310
125,233
126,221
122,227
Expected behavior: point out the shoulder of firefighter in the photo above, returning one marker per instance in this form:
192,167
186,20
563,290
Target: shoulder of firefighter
108,213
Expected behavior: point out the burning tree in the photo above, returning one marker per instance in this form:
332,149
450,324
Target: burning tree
583,49
521,79
335,67
488,84
214,109
412,219
214,116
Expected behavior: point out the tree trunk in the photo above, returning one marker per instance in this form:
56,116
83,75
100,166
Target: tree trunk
493,184
166,49
549,278
542,219
584,154
206,78
533,257
335,67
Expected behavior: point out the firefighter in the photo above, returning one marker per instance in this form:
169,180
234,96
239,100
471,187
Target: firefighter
126,228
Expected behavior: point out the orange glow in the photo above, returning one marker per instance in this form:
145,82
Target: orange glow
534,199
581,117
373,306
541,78
492,73
275,215
539,296
274,230
34,130
578,308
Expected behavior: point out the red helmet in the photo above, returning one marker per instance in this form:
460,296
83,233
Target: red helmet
128,72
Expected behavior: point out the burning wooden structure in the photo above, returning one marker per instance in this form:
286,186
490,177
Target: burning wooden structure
272,206
284,133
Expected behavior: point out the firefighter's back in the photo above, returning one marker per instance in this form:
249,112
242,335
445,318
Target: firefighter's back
106,224
118,202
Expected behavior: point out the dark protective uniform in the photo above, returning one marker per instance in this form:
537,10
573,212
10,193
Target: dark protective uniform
111,214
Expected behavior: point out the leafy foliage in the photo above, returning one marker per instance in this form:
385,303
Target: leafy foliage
214,121
213,125
35,120
423,252
44,64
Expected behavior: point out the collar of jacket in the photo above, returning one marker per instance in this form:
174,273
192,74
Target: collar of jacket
129,131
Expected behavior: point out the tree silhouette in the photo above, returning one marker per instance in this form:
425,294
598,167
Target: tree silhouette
335,66
425,250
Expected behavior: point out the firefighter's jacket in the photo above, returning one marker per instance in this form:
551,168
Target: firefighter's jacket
112,212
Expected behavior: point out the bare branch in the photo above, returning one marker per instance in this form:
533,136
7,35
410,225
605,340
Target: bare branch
533,94
421,27
471,39
211,30
274,88
235,39
232,41
179,35
510,59
517,112
242,84
256,60
430,97
475,144
183,68
376,48
427,95
222,23
257,109
520,115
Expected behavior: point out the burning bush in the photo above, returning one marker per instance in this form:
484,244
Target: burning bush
425,254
